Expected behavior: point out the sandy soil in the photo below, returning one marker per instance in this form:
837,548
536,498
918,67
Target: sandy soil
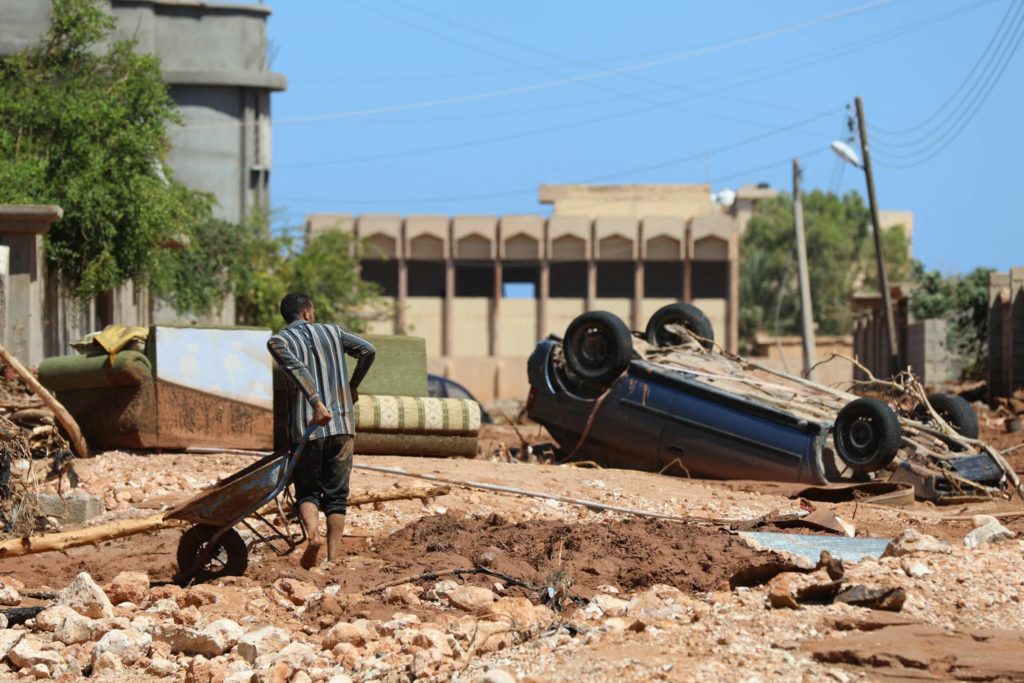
639,599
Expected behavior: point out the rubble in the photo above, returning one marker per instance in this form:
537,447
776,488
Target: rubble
86,598
649,588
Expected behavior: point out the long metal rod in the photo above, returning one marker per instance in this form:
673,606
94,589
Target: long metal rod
590,504
883,277
806,312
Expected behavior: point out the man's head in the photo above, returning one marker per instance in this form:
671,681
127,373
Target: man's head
296,306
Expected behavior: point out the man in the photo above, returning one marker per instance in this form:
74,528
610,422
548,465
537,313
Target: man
312,356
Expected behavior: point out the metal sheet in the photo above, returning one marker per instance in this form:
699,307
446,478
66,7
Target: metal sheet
809,546
228,363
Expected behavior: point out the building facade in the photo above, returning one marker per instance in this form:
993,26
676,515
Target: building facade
213,56
483,289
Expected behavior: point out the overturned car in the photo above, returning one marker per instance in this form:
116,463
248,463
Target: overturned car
668,400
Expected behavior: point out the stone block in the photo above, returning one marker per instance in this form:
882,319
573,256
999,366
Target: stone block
75,507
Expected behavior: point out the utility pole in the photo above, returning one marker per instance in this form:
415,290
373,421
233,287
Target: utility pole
806,312
883,277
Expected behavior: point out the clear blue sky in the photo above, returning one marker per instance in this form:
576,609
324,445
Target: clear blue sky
459,106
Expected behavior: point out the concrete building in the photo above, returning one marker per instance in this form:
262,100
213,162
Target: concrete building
213,56
483,289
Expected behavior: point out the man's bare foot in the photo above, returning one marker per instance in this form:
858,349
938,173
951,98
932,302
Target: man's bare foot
310,555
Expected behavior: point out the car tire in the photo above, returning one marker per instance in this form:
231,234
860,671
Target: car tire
687,315
954,410
867,435
597,347
230,559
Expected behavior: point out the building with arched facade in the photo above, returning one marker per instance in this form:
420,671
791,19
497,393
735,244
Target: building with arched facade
483,289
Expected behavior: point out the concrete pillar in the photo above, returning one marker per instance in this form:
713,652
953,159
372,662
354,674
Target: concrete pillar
21,229
448,324
402,295
543,294
688,266
591,300
495,316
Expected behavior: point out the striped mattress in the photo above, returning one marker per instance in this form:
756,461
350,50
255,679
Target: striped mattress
417,415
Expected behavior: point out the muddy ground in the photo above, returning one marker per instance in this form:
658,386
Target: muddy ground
640,599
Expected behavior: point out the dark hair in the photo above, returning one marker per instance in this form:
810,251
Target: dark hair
292,306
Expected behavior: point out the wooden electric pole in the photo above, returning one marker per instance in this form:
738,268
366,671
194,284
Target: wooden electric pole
883,277
806,312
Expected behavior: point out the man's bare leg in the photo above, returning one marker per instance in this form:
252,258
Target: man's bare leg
335,533
310,515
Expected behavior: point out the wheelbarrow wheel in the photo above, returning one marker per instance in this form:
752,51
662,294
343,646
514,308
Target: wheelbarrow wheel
229,558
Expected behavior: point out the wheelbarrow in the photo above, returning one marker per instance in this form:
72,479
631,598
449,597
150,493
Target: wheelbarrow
212,547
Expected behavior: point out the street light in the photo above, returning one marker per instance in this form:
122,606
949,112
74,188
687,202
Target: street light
847,154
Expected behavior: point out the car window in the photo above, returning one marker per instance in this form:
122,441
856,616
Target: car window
456,391
435,386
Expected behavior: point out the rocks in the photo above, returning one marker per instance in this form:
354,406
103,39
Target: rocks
659,602
497,676
9,596
782,592
911,541
86,598
107,665
130,587
29,652
214,639
266,640
77,629
610,605
357,633
128,646
75,507
8,639
520,613
987,529
295,590
49,619
472,599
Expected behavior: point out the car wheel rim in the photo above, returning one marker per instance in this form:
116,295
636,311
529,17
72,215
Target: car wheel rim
594,347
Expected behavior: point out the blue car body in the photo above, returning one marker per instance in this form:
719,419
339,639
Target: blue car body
668,421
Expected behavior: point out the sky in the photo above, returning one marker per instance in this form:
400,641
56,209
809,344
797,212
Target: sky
459,106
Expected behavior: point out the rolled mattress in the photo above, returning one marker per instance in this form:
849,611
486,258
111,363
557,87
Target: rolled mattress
417,415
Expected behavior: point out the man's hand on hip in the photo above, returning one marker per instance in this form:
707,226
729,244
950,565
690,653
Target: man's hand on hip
355,394
321,414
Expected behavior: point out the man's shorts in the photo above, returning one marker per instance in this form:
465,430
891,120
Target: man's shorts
322,474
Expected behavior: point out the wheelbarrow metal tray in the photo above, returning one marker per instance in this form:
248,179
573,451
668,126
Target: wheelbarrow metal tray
236,496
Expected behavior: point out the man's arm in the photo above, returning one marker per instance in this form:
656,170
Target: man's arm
294,369
363,352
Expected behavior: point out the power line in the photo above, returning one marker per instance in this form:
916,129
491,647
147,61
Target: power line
523,134
957,126
619,174
605,118
772,70
581,78
1004,22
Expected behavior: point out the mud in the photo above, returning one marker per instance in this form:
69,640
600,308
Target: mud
628,555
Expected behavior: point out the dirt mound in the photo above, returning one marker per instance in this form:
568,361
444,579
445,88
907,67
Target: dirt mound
630,555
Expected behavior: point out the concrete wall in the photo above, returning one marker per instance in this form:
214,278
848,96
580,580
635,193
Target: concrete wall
1006,332
927,351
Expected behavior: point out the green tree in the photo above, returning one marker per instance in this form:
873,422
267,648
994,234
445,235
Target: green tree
840,253
963,302
83,124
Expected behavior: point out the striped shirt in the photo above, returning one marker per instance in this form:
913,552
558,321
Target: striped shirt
312,356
